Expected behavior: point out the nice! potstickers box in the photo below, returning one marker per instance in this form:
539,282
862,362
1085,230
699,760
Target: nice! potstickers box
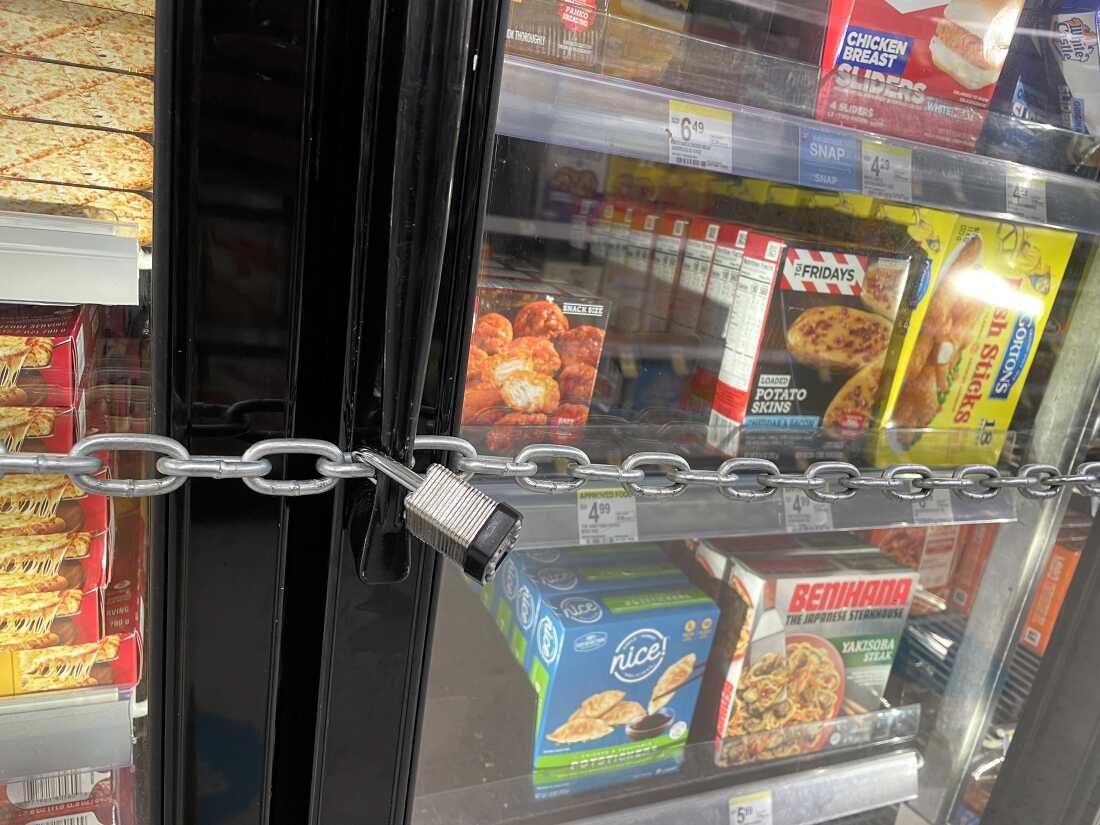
617,673
805,637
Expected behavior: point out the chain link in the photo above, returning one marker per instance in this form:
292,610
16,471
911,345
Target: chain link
740,479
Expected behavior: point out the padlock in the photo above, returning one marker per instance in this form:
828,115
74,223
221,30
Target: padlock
453,517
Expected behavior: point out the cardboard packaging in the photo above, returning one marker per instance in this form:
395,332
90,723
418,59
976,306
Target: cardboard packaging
532,364
43,353
569,32
827,625
687,304
1050,593
617,673
913,68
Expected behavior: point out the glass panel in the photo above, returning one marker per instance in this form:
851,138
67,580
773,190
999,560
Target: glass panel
857,232
76,327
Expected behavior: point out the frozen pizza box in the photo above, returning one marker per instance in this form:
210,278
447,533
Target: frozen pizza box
617,673
913,68
43,353
809,335
972,336
534,352
804,638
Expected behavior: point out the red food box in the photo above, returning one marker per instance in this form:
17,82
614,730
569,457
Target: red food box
970,564
84,797
724,271
913,68
668,253
931,551
42,429
43,353
687,304
629,260
532,365
1050,593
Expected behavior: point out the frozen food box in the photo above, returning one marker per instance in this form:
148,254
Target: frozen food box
643,37
699,248
617,673
931,551
722,285
1072,44
54,561
970,565
575,779
569,32
913,68
532,364
61,793
972,336
668,252
1050,593
804,638
808,337
43,353
42,429
530,577
80,202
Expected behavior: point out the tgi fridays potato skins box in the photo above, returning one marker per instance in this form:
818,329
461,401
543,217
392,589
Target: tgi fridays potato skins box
617,673
807,338
804,638
918,69
972,336
532,363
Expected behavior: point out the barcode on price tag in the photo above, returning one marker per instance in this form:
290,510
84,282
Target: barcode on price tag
751,809
1026,195
887,171
606,515
804,515
936,509
700,136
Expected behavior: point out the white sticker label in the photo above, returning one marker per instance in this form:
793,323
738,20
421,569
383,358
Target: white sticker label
700,136
53,789
606,515
936,509
804,515
751,809
887,171
1026,195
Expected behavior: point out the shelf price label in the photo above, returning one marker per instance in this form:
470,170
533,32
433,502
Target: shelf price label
700,136
936,509
751,809
828,160
804,515
606,515
1026,195
887,171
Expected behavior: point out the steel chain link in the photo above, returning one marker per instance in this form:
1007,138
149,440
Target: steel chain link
741,479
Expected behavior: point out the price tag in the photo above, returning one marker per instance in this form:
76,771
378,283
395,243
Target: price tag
1026,195
934,509
827,160
700,136
751,809
887,171
804,515
606,515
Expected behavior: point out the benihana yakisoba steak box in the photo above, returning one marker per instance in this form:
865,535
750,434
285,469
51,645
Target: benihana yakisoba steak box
812,638
534,354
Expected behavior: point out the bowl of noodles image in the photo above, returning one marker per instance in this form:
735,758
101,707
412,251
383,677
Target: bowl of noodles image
781,705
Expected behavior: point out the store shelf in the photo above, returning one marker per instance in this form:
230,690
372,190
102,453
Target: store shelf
63,731
568,107
60,260
798,798
554,520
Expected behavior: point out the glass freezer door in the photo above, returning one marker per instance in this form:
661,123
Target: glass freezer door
784,319
78,343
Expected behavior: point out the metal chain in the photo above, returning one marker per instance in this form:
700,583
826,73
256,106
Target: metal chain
741,479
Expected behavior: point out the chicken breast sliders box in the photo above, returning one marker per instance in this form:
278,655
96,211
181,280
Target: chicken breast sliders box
828,624
809,331
616,673
917,69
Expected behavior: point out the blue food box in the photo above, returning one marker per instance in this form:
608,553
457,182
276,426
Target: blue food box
617,673
536,582
557,782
